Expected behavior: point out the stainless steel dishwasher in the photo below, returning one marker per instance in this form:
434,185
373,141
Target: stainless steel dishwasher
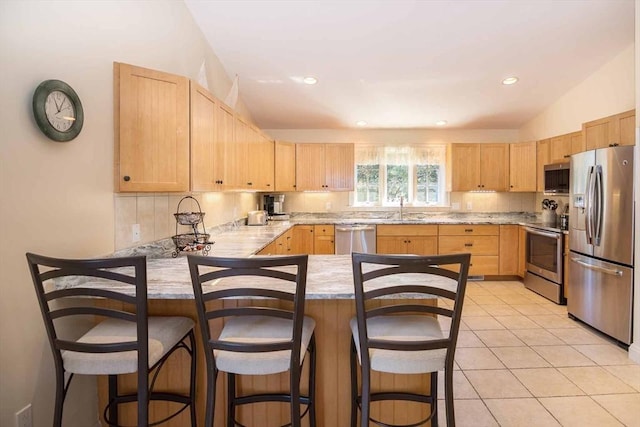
355,238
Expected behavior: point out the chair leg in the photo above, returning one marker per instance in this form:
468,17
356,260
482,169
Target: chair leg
212,377
113,394
192,383
60,395
448,395
231,396
294,380
434,397
354,385
312,381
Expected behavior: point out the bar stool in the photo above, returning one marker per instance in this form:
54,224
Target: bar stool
405,338
263,338
123,342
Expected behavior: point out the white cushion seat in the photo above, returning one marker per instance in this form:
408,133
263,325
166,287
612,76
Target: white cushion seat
164,334
402,328
260,330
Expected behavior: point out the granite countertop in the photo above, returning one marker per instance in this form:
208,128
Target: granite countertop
329,276
386,217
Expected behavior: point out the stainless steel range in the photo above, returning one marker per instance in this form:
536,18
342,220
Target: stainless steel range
544,262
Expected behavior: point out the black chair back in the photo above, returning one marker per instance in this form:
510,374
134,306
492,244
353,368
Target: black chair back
423,275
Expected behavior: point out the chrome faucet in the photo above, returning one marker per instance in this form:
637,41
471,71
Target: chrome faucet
401,205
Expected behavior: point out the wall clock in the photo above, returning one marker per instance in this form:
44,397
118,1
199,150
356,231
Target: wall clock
58,110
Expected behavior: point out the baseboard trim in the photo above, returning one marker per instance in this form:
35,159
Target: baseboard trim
634,352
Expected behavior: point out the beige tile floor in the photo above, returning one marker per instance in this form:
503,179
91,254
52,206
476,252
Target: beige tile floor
522,362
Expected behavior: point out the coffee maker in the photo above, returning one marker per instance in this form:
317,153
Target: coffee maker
274,205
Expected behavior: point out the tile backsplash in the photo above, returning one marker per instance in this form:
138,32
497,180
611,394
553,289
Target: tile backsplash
154,213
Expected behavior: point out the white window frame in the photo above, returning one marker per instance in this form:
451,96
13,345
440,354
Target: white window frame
412,179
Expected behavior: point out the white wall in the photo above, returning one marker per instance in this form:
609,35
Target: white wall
57,198
610,90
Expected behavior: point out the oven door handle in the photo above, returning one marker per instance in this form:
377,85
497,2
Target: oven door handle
537,232
612,272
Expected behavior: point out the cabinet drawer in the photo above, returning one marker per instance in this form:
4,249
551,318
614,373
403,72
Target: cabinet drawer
469,230
482,265
407,230
475,245
323,230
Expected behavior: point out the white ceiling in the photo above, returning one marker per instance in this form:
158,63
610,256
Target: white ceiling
407,64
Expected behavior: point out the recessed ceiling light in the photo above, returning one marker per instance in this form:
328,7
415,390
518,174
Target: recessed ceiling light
510,81
441,122
310,80
361,123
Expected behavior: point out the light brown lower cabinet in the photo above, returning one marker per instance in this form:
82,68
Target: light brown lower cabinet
407,239
481,241
302,240
509,250
522,251
324,239
333,338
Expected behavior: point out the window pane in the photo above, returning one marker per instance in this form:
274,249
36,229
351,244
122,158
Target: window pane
427,177
367,183
397,182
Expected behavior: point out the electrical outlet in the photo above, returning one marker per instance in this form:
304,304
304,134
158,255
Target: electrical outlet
469,206
24,418
327,206
135,233
455,206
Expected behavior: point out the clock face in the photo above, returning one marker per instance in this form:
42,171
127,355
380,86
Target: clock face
59,110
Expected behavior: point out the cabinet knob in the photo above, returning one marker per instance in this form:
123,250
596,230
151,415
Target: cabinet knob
127,178
268,185
468,245
482,185
613,144
511,186
249,183
479,185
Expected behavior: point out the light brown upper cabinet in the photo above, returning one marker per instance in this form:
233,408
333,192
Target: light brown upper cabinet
285,166
211,133
577,142
483,167
260,160
324,167
151,117
618,129
238,154
563,146
522,167
543,150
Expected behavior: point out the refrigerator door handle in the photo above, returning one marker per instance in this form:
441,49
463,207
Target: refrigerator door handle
610,271
588,206
597,205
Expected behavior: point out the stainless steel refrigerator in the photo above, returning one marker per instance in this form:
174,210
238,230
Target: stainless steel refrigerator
601,240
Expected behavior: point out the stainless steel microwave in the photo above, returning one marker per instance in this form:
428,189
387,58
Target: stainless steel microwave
556,178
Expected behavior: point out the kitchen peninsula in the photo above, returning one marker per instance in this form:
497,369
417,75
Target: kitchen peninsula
329,301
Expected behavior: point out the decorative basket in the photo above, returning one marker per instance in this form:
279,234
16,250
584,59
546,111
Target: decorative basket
190,242
189,218
182,240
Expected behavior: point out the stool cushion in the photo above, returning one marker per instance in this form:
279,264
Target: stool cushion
402,328
258,330
164,334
